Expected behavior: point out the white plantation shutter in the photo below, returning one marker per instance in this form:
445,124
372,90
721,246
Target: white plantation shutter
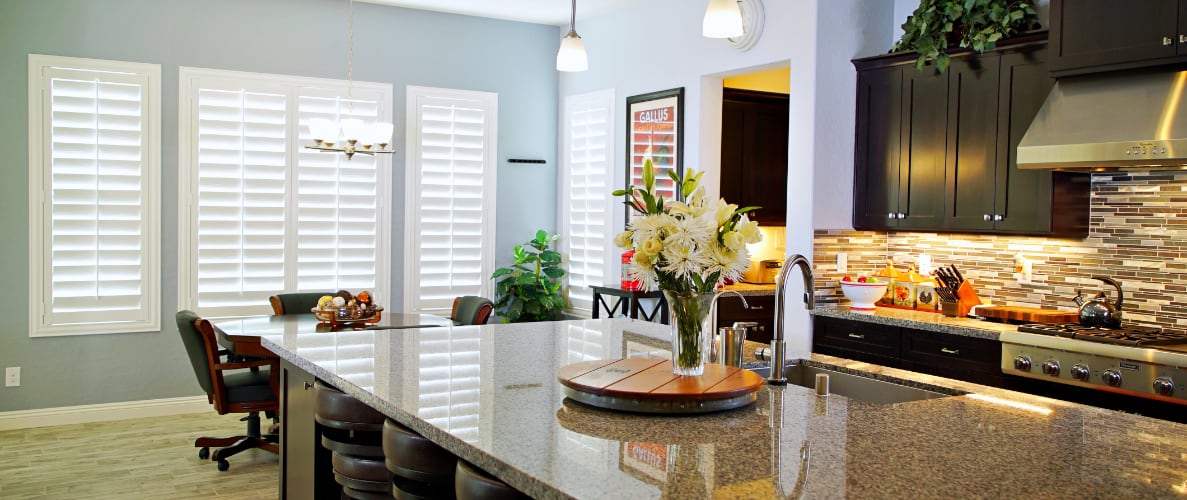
260,213
94,151
451,197
586,203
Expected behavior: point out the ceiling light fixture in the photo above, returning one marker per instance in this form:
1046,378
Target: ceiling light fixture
357,136
723,19
571,56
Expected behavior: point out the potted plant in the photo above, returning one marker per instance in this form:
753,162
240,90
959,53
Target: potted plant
972,24
530,290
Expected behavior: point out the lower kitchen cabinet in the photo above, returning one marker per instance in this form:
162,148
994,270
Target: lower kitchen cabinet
952,356
761,311
305,469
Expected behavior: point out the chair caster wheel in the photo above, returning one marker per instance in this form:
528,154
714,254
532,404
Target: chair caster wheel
223,465
204,453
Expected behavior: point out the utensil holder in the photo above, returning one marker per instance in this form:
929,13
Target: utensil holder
967,298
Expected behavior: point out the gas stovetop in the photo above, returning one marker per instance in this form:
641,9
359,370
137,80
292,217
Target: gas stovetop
1131,335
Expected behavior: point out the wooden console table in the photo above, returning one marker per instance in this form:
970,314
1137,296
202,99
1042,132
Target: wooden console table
627,302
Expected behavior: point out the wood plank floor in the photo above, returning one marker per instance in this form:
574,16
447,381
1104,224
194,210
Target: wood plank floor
139,458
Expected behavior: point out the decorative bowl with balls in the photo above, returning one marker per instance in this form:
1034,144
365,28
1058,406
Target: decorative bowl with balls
863,291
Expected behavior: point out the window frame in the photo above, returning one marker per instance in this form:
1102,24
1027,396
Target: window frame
148,76
412,198
294,87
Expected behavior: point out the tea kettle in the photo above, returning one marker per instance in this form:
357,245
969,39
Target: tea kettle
1098,311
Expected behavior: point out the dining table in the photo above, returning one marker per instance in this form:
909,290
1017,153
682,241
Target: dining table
242,336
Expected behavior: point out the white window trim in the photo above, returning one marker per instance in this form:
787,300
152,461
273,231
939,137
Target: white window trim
39,182
188,172
412,178
605,97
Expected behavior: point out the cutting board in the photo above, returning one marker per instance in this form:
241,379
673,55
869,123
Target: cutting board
1016,314
648,385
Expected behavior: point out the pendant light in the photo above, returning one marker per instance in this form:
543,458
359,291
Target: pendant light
723,19
571,56
357,136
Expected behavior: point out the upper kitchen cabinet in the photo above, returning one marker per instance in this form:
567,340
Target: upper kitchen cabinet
1102,35
899,163
955,142
754,128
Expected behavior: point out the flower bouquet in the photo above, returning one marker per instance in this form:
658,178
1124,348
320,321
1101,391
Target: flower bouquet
684,249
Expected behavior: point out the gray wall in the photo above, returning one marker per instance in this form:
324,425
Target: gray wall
295,37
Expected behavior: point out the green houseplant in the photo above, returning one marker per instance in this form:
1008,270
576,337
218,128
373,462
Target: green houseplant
530,290
972,24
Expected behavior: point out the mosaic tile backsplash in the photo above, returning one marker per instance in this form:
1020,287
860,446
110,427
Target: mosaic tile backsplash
1138,236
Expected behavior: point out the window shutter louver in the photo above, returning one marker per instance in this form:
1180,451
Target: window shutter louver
94,189
450,198
586,202
264,214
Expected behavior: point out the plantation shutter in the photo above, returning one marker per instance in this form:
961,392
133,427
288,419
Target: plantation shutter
451,197
242,183
94,188
586,202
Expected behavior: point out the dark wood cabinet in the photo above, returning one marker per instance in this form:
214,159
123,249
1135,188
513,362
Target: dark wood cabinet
754,129
958,357
761,311
1102,35
954,166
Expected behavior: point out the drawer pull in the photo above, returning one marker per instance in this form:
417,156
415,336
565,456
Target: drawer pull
856,336
946,350
308,385
757,308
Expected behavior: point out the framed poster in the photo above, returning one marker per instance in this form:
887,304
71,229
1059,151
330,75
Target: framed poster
655,129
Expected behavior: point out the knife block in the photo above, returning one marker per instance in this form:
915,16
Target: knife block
967,298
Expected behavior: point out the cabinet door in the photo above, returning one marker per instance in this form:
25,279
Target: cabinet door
1100,33
872,338
754,153
921,164
971,182
877,151
1024,205
963,358
761,311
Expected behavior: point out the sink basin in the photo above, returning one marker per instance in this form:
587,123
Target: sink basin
854,386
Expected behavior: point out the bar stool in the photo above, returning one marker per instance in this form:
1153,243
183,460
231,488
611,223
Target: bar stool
353,432
472,483
420,468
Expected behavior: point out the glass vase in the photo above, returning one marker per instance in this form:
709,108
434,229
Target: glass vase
691,331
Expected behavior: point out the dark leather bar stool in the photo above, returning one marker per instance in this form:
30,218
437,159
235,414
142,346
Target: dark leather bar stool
420,468
353,432
472,483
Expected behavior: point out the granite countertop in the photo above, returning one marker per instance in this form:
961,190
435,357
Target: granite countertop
489,394
920,320
749,289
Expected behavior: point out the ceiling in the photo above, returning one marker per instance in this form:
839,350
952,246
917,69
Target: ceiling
554,12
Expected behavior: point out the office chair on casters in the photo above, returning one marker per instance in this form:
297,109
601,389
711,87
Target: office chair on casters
232,385
471,310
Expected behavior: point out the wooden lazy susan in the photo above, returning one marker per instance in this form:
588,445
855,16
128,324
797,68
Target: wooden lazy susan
649,386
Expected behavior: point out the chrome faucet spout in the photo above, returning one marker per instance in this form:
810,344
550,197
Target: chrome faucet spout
778,344
713,306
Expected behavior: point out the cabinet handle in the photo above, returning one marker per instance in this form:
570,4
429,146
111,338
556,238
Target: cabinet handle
902,216
308,385
856,336
891,215
986,218
946,350
1166,40
1182,38
757,308
998,217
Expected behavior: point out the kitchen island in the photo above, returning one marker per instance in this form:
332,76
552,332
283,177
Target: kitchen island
489,395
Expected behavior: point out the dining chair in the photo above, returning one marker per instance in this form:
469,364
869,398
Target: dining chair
295,302
471,310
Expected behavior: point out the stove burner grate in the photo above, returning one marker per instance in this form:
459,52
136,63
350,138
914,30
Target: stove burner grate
1127,335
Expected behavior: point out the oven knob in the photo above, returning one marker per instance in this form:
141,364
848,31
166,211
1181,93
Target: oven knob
1111,377
1081,372
1051,367
1164,386
1022,363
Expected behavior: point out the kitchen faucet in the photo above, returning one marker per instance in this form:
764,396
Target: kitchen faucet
713,307
778,345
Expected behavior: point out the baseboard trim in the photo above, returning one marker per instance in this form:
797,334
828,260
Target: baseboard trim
104,412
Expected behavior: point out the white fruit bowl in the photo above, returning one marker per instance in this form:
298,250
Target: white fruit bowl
863,295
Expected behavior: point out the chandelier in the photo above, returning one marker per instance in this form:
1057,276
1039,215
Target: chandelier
351,135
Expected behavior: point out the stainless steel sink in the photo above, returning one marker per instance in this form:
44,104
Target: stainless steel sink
855,386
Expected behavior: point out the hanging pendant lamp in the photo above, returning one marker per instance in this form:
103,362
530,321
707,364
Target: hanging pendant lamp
571,56
723,19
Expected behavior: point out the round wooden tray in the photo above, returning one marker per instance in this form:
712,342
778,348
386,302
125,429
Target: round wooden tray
649,386
331,317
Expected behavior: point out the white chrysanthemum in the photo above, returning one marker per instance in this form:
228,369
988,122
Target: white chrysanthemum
623,239
724,211
684,261
692,233
749,230
655,226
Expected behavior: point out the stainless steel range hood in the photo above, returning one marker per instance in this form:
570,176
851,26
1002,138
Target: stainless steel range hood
1100,123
